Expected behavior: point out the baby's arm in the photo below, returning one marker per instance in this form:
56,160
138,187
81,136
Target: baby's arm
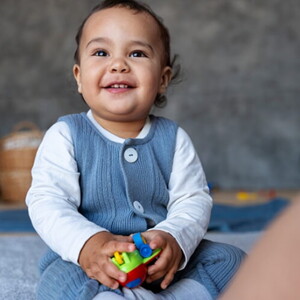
54,196
190,204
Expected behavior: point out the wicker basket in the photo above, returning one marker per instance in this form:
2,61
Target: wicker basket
17,153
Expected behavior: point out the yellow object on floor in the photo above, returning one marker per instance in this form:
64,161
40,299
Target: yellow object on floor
244,196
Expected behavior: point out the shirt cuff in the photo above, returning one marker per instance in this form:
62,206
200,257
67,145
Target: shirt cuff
74,252
186,239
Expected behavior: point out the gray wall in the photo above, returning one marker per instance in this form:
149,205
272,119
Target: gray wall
239,95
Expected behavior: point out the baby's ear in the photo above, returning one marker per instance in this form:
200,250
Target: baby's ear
76,73
166,76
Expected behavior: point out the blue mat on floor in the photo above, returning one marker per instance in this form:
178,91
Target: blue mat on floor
224,218
233,218
16,220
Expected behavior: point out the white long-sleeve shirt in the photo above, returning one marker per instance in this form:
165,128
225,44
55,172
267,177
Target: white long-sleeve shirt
54,196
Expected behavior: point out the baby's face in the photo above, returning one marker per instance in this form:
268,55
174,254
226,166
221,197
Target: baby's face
121,64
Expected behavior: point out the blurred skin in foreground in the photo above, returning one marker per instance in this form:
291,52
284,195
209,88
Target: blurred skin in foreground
272,270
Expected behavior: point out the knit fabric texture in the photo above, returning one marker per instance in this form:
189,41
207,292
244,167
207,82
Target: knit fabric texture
118,194
213,265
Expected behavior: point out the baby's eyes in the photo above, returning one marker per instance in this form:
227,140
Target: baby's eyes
137,53
100,53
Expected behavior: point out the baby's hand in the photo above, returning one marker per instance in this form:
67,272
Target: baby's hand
168,262
95,257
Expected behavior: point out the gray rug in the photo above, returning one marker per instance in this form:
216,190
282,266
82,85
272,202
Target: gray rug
18,266
19,256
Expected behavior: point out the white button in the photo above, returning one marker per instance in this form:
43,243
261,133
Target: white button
131,155
138,206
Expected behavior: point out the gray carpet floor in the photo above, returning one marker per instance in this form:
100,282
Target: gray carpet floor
19,256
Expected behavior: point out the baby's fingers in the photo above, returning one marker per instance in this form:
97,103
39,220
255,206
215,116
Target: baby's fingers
168,278
162,263
113,246
108,275
158,270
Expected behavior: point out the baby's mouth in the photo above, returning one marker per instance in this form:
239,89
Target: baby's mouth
117,88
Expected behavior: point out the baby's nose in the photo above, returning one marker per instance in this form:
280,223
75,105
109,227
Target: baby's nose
119,65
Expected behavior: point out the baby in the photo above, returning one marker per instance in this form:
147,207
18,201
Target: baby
103,175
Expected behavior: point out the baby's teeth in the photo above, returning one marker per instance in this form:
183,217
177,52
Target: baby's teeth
119,86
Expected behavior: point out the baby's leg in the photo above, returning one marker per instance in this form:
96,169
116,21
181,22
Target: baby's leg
186,289
212,265
183,289
108,296
65,280
139,293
